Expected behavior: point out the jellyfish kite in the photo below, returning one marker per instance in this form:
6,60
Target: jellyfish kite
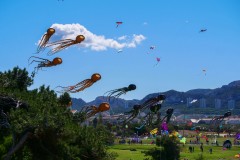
118,92
44,62
81,85
62,44
45,38
118,23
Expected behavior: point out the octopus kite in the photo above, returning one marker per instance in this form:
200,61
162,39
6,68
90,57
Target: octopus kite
134,113
45,62
118,92
155,108
154,111
217,120
153,101
92,110
81,85
168,116
45,38
62,44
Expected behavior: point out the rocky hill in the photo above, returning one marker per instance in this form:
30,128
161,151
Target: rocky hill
201,97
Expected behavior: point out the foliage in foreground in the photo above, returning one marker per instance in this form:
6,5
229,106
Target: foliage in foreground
46,129
169,149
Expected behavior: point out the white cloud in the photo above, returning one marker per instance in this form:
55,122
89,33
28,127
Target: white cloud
93,41
122,38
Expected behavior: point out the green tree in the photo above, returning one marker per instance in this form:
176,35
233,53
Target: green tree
49,131
169,149
65,99
16,79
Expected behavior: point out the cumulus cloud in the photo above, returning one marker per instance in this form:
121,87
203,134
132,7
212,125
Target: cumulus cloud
93,41
122,38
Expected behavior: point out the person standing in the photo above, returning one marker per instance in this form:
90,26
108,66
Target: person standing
201,147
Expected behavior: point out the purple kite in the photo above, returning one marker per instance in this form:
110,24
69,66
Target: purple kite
164,126
238,136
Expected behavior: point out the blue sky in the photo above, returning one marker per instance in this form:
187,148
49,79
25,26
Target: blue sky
171,26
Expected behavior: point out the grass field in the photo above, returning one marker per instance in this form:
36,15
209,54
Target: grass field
124,151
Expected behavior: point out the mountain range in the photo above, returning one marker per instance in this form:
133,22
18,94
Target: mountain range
221,98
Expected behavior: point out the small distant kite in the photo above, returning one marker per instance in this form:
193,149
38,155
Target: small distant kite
158,60
204,71
202,30
62,44
152,47
44,62
118,23
118,92
81,85
45,38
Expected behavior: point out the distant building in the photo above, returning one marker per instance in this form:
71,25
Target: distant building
231,104
189,102
202,103
218,103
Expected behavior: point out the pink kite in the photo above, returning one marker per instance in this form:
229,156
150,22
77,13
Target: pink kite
158,60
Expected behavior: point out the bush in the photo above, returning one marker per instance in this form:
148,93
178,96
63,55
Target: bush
169,149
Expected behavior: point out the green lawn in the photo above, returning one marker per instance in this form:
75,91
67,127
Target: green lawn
124,152
218,152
